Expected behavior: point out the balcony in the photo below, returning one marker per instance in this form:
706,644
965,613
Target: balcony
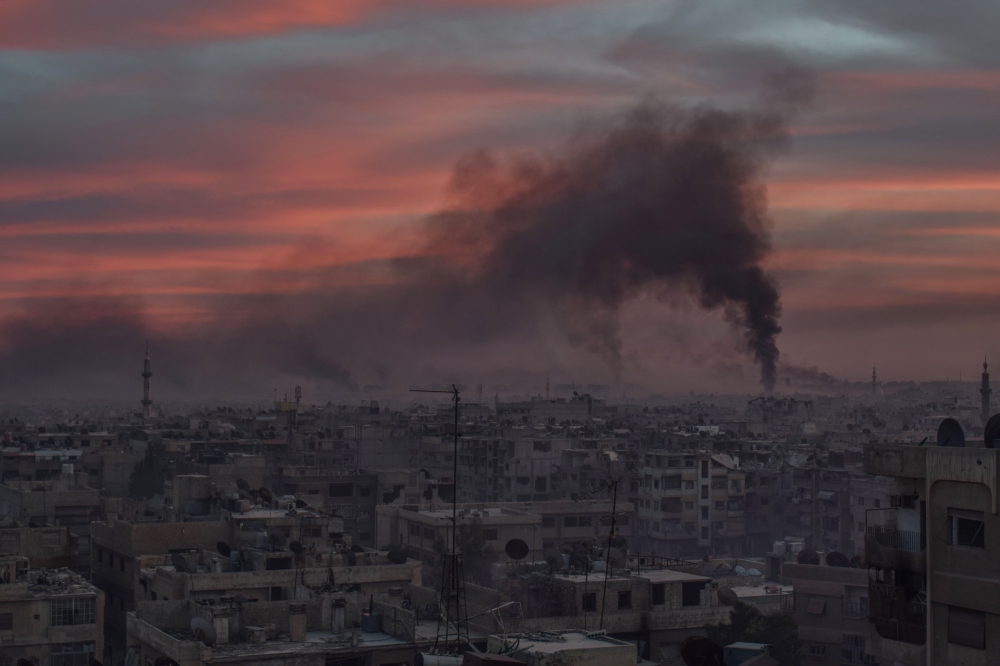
891,537
788,603
898,613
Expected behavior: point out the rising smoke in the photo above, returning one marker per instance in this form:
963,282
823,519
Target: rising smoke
661,201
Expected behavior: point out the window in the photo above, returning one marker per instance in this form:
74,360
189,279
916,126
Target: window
590,602
704,492
720,525
490,535
817,652
704,469
689,485
671,505
764,501
691,593
428,533
569,521
71,654
673,462
414,530
540,484
671,483
967,627
100,556
704,533
6,621
764,480
878,503
718,484
341,490
720,506
73,610
861,501
658,594
548,521
967,528
364,492
585,521
704,512
624,599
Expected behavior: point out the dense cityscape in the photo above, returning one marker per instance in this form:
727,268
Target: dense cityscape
354,533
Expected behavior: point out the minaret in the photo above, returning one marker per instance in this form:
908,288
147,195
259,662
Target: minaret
985,392
147,400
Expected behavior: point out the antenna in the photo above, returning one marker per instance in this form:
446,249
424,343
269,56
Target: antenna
701,651
203,630
453,580
836,559
950,433
992,431
516,549
180,563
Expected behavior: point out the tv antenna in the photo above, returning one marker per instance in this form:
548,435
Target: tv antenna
453,577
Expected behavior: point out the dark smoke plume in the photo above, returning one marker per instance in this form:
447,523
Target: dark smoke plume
666,199
663,201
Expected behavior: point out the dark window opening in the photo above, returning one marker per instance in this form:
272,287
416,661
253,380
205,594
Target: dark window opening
967,627
659,594
590,602
625,599
691,593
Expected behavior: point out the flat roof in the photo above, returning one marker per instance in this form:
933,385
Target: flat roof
552,642
670,576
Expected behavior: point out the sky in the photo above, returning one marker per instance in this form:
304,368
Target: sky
244,183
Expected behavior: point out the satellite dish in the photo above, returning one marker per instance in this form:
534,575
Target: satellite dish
223,548
856,562
155,503
355,548
516,549
243,485
992,431
295,547
165,661
808,556
240,599
554,559
396,556
180,563
835,559
727,597
700,651
301,503
276,537
266,495
616,557
203,630
950,433
618,541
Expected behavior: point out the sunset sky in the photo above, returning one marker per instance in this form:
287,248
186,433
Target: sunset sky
175,167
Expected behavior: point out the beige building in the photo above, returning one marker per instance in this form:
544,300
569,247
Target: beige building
934,577
51,617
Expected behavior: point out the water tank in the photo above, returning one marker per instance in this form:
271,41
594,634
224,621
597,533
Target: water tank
779,548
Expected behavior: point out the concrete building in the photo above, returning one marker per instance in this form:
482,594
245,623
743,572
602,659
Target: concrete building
45,547
934,590
565,648
49,616
351,495
64,500
319,631
690,504
830,607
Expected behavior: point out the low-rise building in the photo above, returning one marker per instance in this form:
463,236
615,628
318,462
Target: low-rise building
49,617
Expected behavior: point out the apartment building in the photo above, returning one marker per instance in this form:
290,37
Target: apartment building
690,504
934,579
50,617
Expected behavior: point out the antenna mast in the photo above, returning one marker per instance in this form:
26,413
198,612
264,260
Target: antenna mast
453,604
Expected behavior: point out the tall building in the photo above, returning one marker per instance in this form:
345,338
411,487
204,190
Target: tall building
985,392
934,579
147,374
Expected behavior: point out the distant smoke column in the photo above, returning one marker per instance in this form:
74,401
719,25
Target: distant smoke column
985,392
147,400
